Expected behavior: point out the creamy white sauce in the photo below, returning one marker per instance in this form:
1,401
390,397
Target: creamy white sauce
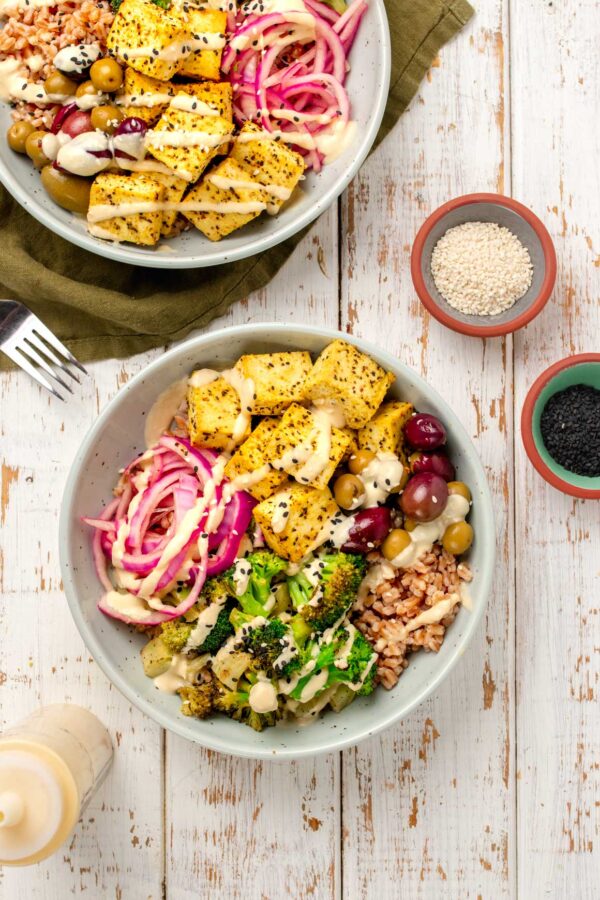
249,479
144,101
77,155
332,409
318,460
423,537
380,477
175,51
331,142
241,576
314,685
103,212
430,616
263,697
340,529
221,181
189,103
255,37
175,677
281,513
180,138
163,410
376,575
76,58
202,377
203,626
145,165
244,387
127,604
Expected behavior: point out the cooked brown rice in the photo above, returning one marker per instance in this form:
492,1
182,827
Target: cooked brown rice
35,35
385,615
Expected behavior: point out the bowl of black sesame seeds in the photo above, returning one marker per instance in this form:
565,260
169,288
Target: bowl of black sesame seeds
560,425
483,265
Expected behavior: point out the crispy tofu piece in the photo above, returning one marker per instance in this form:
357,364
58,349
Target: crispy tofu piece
204,63
270,163
384,433
210,134
298,430
214,224
135,87
350,379
112,190
251,456
309,512
212,413
278,379
352,441
174,190
140,25
217,95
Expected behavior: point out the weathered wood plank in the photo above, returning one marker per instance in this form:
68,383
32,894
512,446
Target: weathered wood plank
428,808
243,829
555,171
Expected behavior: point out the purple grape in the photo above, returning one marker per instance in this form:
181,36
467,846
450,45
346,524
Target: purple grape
370,529
132,125
424,432
424,497
432,462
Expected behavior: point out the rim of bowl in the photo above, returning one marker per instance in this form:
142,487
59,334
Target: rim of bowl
445,318
220,255
527,426
333,742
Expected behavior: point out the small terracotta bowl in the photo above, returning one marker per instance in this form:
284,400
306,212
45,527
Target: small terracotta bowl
485,208
581,369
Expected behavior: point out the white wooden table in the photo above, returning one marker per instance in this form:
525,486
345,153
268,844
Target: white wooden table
491,789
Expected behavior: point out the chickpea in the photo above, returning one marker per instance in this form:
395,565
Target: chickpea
17,135
106,118
69,191
57,83
397,540
106,75
359,460
33,148
457,538
347,490
409,524
459,487
87,89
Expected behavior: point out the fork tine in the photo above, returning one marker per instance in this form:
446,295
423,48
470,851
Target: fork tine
33,339
51,338
21,360
35,357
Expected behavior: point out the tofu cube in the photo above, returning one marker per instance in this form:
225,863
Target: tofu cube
136,87
251,456
239,205
174,190
112,190
350,379
278,379
384,433
196,140
212,413
140,26
205,63
269,162
218,96
296,431
309,512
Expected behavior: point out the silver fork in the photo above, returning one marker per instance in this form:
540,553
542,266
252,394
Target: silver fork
26,340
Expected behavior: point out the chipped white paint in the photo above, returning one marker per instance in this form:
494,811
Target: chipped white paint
490,789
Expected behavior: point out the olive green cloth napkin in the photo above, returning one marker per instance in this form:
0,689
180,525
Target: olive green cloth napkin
108,309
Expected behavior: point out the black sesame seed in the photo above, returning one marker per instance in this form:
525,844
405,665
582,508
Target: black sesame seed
570,427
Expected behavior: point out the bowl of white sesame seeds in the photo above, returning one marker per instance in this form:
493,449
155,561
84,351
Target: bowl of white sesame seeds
483,265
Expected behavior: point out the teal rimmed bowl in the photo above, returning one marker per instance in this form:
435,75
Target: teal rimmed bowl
581,369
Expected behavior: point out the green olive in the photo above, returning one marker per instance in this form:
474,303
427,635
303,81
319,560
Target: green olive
57,83
359,460
106,75
457,538
106,118
347,489
459,487
409,524
17,135
87,89
33,149
69,191
403,481
397,540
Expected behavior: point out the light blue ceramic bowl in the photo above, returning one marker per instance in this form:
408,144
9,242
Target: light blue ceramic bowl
367,85
118,435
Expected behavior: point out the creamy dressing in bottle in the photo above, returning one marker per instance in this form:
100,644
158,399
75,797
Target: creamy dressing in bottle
50,765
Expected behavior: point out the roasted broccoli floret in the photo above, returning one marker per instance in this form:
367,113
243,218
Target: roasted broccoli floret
326,588
175,634
352,665
221,630
236,704
267,643
264,567
198,700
